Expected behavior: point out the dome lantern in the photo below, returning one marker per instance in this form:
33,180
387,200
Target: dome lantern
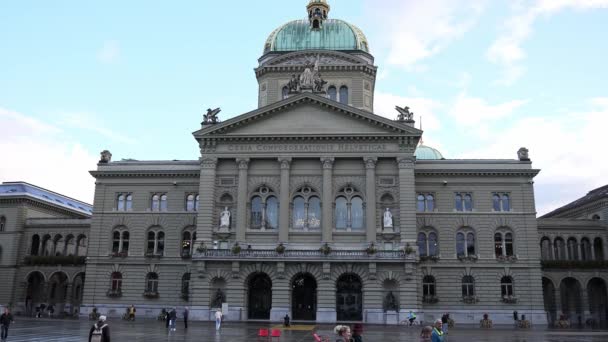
317,13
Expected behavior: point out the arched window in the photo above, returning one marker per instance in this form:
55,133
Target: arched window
496,202
572,249
468,286
120,205
344,95
159,202
115,241
463,202
81,245
152,283
264,209
333,93
458,202
2,223
124,202
501,202
59,247
306,209
468,202
560,249
125,242
349,209
285,92
503,244
116,281
129,202
35,248
433,244
585,249
188,239
190,202
156,243
506,202
186,286
598,249
545,249
196,201
465,243
506,287
422,242
70,245
120,241
428,287
163,202
425,202
47,245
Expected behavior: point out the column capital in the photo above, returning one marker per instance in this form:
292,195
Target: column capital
370,162
208,162
405,162
328,162
243,163
285,162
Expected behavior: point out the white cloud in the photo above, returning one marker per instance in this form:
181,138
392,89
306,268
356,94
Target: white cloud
472,111
90,122
109,52
567,148
507,52
38,153
421,29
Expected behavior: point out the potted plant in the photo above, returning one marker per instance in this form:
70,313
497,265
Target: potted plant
236,248
151,294
325,249
202,248
371,249
509,299
433,258
280,249
408,249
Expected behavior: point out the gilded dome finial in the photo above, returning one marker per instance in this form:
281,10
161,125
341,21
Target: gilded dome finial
318,11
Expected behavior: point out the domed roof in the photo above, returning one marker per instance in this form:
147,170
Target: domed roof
424,152
298,35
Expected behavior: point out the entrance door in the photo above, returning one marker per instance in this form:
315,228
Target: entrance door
260,296
304,298
349,298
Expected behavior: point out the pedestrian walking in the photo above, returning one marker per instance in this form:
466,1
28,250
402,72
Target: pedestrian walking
437,334
218,319
5,320
357,332
173,318
445,319
132,312
167,318
343,332
100,331
186,314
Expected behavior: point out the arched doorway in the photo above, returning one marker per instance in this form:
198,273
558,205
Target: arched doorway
349,298
77,287
304,297
260,296
570,291
58,288
598,300
549,300
34,294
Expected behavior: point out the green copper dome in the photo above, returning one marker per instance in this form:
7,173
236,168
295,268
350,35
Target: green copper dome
334,34
424,152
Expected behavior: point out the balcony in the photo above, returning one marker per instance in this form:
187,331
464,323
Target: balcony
114,293
68,260
574,264
315,255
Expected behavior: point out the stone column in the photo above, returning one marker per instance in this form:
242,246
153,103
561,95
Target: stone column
370,204
407,200
284,200
327,221
552,249
241,200
206,206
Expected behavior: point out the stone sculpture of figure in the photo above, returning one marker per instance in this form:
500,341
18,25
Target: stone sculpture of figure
225,218
404,113
522,154
211,116
218,299
388,218
106,157
306,79
319,83
390,303
293,84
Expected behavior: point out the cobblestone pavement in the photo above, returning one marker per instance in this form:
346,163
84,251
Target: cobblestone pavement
151,331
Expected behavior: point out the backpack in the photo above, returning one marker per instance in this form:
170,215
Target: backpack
97,333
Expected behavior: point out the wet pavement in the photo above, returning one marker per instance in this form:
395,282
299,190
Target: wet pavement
26,329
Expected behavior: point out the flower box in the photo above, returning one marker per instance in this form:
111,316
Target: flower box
469,299
119,254
433,258
470,258
151,294
430,299
509,299
114,293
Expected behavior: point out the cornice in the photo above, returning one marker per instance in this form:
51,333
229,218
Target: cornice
42,205
144,173
480,172
267,69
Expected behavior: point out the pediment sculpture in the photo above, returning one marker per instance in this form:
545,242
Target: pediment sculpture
404,114
211,117
309,80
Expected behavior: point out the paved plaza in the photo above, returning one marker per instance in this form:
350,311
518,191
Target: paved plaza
150,331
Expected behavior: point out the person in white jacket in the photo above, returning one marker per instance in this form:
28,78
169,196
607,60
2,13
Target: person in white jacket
218,319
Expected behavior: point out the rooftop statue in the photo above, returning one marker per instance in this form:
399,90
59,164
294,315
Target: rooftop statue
211,116
404,114
106,157
310,79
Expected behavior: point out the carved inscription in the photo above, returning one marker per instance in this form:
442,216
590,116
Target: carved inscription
308,148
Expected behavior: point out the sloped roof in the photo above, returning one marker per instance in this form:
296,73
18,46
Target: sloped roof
592,196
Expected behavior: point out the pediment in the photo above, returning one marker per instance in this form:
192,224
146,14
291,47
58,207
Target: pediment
307,115
308,58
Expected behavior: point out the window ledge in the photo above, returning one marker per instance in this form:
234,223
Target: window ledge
262,232
346,232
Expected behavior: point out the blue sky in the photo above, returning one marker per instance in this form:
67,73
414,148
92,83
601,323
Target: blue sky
135,77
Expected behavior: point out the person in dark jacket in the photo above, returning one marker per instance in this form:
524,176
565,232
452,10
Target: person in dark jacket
105,331
186,314
167,318
357,333
5,320
173,318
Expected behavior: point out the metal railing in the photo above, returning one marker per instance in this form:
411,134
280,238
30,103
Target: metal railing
302,254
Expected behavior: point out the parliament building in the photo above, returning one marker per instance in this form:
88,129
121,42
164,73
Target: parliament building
314,206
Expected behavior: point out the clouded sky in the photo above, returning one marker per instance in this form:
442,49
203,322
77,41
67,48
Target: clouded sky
134,77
